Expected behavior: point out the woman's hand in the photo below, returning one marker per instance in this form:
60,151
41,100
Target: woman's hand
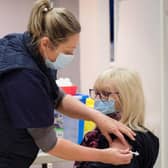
116,156
69,151
108,125
75,109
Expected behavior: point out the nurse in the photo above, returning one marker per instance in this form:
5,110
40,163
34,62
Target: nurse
29,94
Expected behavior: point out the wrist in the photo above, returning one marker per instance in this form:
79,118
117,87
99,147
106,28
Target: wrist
97,155
101,155
99,118
96,115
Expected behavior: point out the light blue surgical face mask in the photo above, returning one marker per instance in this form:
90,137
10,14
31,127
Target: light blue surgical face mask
106,107
61,61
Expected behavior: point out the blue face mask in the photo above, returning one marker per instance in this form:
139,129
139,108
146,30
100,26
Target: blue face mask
106,107
61,61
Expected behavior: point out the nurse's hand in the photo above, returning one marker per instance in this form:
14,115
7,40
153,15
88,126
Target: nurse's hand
108,125
68,150
116,156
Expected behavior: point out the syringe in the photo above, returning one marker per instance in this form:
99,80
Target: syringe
136,153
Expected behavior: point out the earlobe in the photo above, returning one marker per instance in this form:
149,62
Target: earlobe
44,42
43,46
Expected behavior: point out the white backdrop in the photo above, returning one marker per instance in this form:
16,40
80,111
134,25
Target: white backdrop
138,46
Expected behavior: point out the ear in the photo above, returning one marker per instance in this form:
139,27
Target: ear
44,42
43,46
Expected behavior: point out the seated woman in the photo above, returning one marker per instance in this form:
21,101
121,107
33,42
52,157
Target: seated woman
118,93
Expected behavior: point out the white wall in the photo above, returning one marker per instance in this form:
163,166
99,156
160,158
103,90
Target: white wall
164,123
14,15
138,46
94,41
72,70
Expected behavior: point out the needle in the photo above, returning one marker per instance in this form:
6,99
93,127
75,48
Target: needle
135,153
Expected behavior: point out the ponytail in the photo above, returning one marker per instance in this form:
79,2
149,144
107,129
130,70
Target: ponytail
36,23
55,23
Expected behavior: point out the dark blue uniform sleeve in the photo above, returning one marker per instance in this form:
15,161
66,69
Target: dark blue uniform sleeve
26,97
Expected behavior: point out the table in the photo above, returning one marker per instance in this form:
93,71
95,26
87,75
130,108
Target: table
44,159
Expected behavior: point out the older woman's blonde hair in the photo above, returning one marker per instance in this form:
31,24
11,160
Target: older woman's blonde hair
128,83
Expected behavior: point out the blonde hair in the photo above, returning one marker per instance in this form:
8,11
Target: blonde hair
128,84
55,23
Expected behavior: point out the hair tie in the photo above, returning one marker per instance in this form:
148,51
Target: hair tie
45,10
51,6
